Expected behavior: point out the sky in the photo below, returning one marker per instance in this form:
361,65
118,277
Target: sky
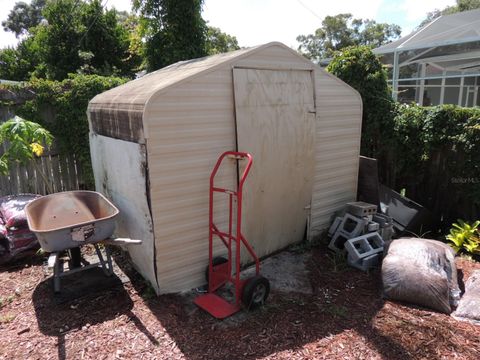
255,22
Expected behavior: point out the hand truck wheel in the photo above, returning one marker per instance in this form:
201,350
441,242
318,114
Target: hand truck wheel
255,292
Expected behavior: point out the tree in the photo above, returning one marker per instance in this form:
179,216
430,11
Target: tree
173,29
340,31
21,62
24,16
69,37
75,36
218,42
25,140
360,68
461,5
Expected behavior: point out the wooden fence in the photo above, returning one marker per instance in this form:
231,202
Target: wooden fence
63,173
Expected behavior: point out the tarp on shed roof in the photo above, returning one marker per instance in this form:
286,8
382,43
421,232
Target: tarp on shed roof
457,28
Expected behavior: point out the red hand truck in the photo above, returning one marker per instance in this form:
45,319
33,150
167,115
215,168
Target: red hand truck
251,292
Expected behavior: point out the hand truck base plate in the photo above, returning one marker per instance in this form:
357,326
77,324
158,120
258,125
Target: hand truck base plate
217,306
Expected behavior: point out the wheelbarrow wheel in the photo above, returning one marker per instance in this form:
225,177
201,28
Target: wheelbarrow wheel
218,260
255,292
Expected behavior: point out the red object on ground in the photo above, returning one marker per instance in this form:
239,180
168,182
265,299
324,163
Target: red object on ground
220,274
12,209
15,236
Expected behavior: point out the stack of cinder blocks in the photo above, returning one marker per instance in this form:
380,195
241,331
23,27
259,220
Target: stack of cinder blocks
358,235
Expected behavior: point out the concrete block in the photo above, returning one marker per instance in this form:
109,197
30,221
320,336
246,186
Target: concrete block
366,263
361,208
373,226
338,241
363,246
335,224
351,226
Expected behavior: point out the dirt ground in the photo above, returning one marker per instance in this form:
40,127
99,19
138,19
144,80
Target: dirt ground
342,317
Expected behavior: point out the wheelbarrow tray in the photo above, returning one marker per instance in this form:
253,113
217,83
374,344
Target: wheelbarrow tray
70,219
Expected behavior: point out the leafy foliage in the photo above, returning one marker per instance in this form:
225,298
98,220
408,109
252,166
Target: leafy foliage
218,42
88,28
435,156
24,139
24,16
174,30
66,103
74,36
22,62
464,236
432,152
360,68
341,31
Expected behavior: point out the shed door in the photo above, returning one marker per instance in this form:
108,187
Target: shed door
275,114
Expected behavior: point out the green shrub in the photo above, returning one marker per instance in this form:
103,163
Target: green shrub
436,158
465,237
360,68
61,107
432,152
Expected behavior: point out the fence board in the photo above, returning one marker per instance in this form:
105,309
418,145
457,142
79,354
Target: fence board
14,185
56,175
72,175
31,178
67,181
39,183
62,171
22,179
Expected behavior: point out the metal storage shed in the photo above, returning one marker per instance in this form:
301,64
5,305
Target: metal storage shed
155,140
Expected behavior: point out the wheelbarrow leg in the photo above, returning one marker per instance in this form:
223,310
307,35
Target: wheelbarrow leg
56,263
106,265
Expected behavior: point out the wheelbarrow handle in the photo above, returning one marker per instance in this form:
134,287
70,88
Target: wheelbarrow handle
121,241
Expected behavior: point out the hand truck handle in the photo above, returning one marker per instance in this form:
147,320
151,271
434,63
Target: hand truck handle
237,156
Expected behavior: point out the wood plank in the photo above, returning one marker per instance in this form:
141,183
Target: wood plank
56,176
72,172
22,179
14,186
46,170
79,172
29,170
276,124
63,162
4,185
38,182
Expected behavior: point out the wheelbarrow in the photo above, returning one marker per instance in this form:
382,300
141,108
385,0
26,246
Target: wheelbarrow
252,292
68,220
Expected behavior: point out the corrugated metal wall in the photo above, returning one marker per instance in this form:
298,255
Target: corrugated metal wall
339,127
189,127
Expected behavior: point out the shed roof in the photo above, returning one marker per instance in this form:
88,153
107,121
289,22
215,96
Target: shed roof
135,93
457,28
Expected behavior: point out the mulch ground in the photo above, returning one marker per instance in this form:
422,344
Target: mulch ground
344,318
